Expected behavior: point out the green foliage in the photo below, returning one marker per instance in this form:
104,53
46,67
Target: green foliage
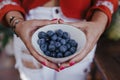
7,34
113,32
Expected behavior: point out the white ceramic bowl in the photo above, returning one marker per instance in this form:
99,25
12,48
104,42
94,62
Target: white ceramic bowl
74,32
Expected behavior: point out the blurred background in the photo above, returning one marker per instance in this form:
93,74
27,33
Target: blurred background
105,66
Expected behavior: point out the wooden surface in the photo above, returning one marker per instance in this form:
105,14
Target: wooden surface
7,70
107,58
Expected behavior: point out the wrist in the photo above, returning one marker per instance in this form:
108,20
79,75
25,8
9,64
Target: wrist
16,24
14,21
13,17
100,17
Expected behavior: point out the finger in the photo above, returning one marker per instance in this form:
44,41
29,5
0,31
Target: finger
63,66
61,21
47,22
79,24
81,55
52,65
71,62
41,59
66,65
54,19
40,23
85,51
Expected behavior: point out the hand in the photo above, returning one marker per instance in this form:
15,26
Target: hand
25,29
93,30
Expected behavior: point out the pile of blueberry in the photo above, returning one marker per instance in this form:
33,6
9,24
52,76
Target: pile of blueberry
57,44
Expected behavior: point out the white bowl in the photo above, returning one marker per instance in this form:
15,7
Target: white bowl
74,32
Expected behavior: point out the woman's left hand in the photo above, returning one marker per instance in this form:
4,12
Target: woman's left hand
93,30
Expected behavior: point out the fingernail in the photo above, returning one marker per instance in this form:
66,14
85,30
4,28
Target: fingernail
54,19
61,20
61,68
71,63
43,63
57,70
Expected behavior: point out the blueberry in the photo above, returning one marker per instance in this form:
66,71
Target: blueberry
51,48
67,40
68,46
63,48
72,49
52,42
47,39
73,43
57,44
50,33
66,35
47,53
59,55
63,41
57,51
54,37
42,35
41,41
59,32
53,54
59,38
68,53
43,47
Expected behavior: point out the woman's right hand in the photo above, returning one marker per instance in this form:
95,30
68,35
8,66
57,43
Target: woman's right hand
25,29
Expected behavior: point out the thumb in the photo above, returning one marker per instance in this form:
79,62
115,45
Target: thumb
46,22
79,24
61,21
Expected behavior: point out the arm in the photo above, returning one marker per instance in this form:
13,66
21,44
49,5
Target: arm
24,29
106,6
98,18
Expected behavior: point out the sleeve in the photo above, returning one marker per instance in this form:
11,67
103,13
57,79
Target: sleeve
106,6
9,5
